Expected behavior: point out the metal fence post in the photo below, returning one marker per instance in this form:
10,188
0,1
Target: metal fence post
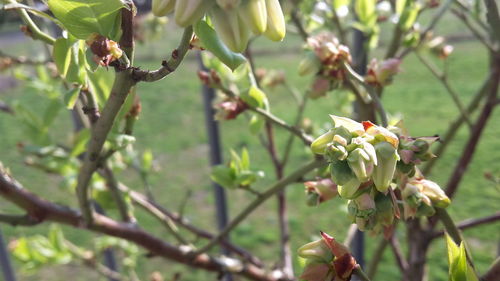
5,264
215,154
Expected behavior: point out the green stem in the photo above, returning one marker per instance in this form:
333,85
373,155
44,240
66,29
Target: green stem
271,191
170,65
33,28
361,274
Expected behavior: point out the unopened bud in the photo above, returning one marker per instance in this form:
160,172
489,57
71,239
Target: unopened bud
348,190
230,28
435,193
228,4
361,164
383,172
162,7
319,87
320,144
187,12
276,28
310,64
316,251
254,13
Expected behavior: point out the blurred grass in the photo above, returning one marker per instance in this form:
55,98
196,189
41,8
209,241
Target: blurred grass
172,125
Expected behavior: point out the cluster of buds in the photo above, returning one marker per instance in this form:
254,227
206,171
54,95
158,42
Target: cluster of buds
421,196
229,108
367,162
234,20
269,78
438,47
325,60
327,259
105,50
380,74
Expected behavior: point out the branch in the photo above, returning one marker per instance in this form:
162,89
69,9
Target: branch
371,91
146,203
476,133
360,274
33,29
469,223
272,190
121,87
377,257
170,65
44,210
474,31
398,254
493,18
307,139
493,273
456,124
294,15
444,80
16,220
112,185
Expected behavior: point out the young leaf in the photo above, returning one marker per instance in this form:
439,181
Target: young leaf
255,97
70,97
83,17
62,55
256,124
51,112
245,159
223,176
210,41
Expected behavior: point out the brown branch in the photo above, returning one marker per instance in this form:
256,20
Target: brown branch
398,255
44,210
469,223
146,203
493,273
16,220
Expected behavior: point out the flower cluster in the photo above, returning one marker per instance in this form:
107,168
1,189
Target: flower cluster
381,73
325,59
374,168
105,50
234,20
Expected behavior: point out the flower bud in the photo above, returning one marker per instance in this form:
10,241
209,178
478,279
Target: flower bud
366,206
435,193
341,173
254,13
361,164
352,126
320,144
310,64
162,7
316,251
326,189
319,87
187,12
228,4
317,272
348,190
230,28
383,172
381,133
336,152
385,211
276,28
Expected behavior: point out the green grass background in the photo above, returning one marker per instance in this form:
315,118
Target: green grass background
172,125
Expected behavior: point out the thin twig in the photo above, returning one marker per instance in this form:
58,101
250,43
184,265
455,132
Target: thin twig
170,65
444,80
45,210
112,185
272,190
460,15
33,29
398,255
493,273
16,220
377,257
469,223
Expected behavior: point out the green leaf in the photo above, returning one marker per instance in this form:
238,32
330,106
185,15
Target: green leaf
147,160
246,178
80,143
210,41
101,82
255,97
51,112
460,270
366,12
340,3
245,159
70,97
223,176
256,124
62,55
83,17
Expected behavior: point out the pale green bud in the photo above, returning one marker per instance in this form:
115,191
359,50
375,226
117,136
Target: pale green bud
320,144
348,189
187,12
254,13
385,210
316,251
276,28
162,7
361,164
336,152
386,165
231,29
310,64
435,193
366,206
341,173
228,4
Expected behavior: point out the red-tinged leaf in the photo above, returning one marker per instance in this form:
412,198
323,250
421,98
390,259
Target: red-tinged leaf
367,125
338,249
344,266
